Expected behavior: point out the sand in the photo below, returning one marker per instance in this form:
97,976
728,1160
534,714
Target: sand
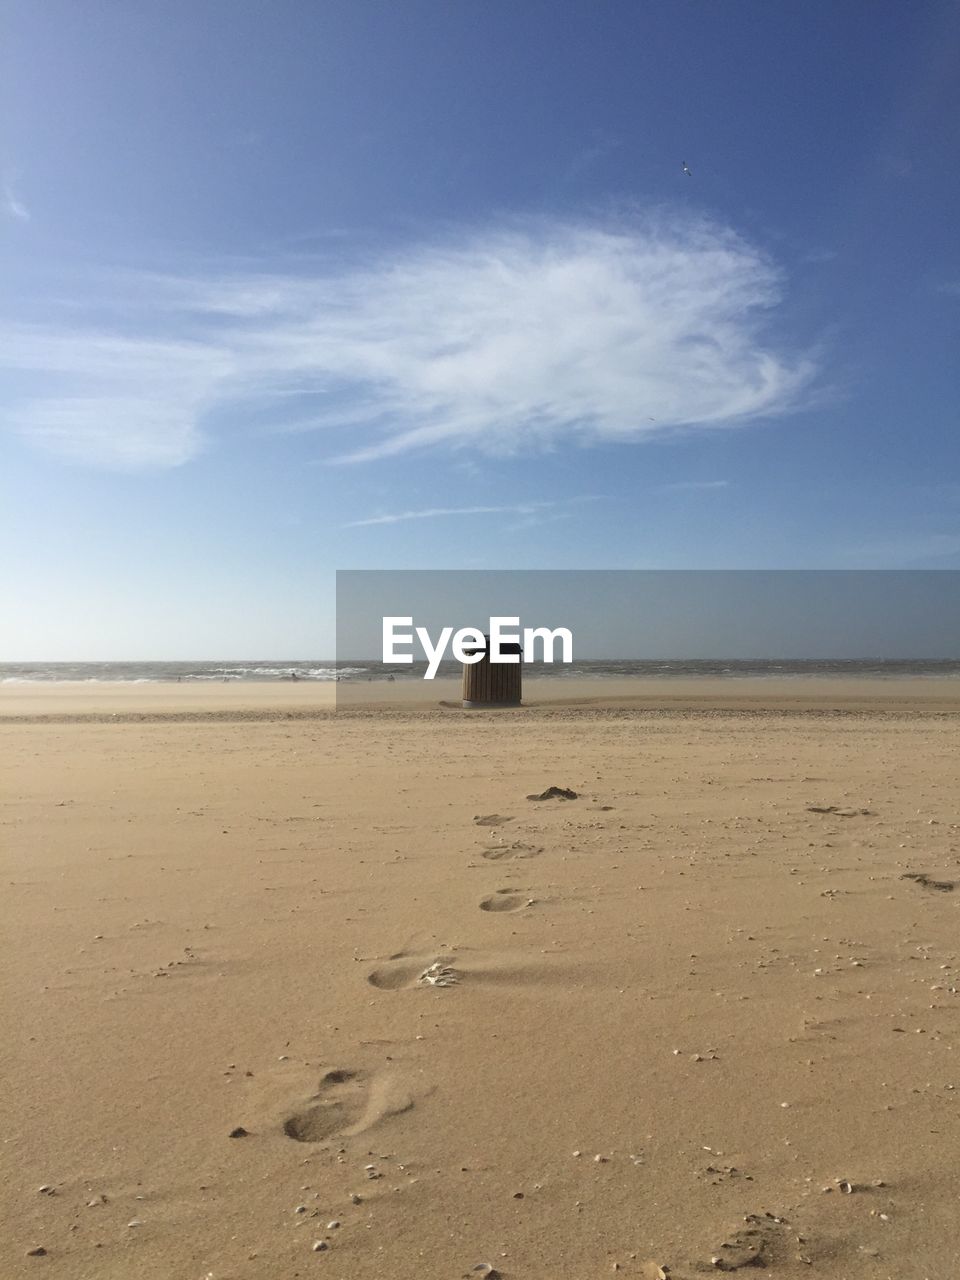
682,1011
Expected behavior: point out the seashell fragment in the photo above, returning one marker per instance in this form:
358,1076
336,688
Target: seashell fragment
439,975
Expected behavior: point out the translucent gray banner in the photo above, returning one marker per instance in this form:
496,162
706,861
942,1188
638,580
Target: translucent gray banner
648,622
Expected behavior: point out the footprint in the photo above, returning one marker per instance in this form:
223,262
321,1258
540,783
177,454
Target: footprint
750,1245
505,900
347,1103
491,819
742,1249
921,878
393,978
498,852
405,971
840,812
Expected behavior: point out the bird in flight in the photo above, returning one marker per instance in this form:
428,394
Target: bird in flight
685,169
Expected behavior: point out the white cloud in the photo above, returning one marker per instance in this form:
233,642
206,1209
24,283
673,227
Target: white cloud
680,486
503,342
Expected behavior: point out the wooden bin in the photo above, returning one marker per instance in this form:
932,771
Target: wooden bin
492,684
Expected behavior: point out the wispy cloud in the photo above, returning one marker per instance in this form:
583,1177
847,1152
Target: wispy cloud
13,205
694,485
120,403
431,513
501,342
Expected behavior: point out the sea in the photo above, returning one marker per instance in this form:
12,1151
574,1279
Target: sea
325,670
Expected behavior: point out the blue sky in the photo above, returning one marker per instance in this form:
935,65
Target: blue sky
298,287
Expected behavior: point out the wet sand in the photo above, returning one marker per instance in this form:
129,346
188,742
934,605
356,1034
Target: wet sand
307,699
667,1021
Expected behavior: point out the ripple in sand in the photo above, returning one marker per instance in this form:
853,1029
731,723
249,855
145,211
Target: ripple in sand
507,852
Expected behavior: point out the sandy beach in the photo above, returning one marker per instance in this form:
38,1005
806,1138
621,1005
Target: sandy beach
289,992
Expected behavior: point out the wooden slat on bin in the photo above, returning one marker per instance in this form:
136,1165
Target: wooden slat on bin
492,684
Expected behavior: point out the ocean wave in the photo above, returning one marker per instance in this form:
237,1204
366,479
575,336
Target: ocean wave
326,671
